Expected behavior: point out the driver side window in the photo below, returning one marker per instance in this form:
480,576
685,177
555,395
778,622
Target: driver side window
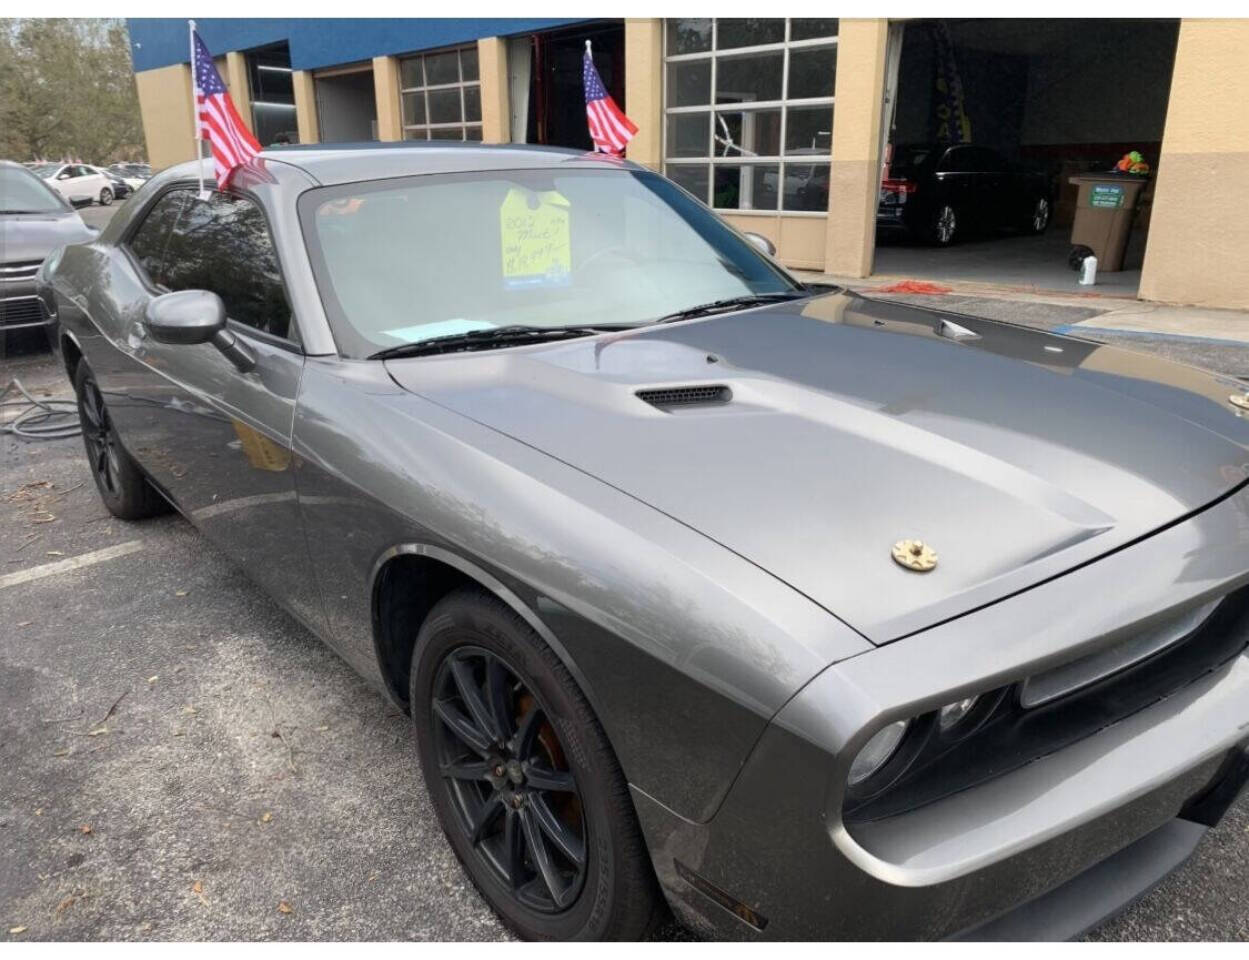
149,241
223,245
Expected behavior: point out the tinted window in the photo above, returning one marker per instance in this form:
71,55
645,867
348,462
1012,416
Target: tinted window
986,159
223,245
971,160
148,243
911,161
957,160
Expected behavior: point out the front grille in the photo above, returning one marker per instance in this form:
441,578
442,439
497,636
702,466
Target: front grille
20,311
686,396
19,269
1006,733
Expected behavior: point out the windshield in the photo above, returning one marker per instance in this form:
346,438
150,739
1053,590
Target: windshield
46,169
909,161
433,256
21,192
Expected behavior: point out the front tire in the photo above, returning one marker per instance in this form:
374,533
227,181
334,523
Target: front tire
1039,219
106,197
523,779
122,485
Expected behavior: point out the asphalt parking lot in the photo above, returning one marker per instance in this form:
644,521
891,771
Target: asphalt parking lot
182,760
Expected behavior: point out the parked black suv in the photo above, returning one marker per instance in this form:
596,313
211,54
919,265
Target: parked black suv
943,193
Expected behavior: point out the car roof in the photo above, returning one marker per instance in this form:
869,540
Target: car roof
350,162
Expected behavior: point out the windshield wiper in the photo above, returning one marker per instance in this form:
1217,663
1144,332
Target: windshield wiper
488,339
730,303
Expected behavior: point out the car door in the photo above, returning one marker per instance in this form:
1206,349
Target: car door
996,187
954,175
216,438
64,182
80,181
94,182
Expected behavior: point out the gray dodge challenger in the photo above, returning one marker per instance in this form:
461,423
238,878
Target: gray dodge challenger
799,614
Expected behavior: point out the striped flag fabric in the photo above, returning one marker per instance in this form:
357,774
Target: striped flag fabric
610,129
219,121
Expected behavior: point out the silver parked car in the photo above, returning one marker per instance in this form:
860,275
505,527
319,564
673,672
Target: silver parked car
34,221
805,614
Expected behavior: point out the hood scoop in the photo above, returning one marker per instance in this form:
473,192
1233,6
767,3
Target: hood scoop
691,395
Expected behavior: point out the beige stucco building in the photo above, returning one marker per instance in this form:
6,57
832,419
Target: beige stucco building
785,126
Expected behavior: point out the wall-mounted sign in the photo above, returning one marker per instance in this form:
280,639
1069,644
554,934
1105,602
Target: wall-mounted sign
1106,195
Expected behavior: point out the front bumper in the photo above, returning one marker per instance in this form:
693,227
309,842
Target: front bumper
779,846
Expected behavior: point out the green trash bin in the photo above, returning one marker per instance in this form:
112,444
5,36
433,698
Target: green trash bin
1105,207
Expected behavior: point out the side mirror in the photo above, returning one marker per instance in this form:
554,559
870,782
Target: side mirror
63,175
763,243
196,316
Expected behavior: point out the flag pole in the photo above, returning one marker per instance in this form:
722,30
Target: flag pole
199,146
589,52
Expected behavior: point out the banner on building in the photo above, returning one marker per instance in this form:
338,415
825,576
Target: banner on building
953,123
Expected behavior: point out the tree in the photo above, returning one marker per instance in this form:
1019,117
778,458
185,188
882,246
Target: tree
67,91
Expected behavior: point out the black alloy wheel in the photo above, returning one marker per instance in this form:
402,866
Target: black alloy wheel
945,225
524,781
1040,218
516,801
97,433
123,487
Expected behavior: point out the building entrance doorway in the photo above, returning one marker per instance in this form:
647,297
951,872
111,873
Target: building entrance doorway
992,120
346,105
548,99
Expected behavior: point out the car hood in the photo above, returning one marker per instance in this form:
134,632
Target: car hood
32,236
853,424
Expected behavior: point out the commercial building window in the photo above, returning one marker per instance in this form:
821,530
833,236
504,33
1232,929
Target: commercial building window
748,110
441,94
272,95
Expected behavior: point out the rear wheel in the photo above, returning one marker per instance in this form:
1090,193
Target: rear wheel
523,779
945,225
106,197
123,488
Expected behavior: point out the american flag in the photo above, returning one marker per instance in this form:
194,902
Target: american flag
610,129
219,121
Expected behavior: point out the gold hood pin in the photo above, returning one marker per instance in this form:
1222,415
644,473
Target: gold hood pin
914,555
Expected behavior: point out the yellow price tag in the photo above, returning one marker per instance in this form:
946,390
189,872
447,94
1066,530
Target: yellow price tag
535,237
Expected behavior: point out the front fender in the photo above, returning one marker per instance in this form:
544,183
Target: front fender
685,649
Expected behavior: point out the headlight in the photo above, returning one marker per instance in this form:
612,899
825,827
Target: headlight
877,751
952,713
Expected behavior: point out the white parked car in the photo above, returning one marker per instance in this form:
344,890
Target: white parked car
78,182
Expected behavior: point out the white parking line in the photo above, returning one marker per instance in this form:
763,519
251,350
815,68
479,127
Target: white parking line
70,563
